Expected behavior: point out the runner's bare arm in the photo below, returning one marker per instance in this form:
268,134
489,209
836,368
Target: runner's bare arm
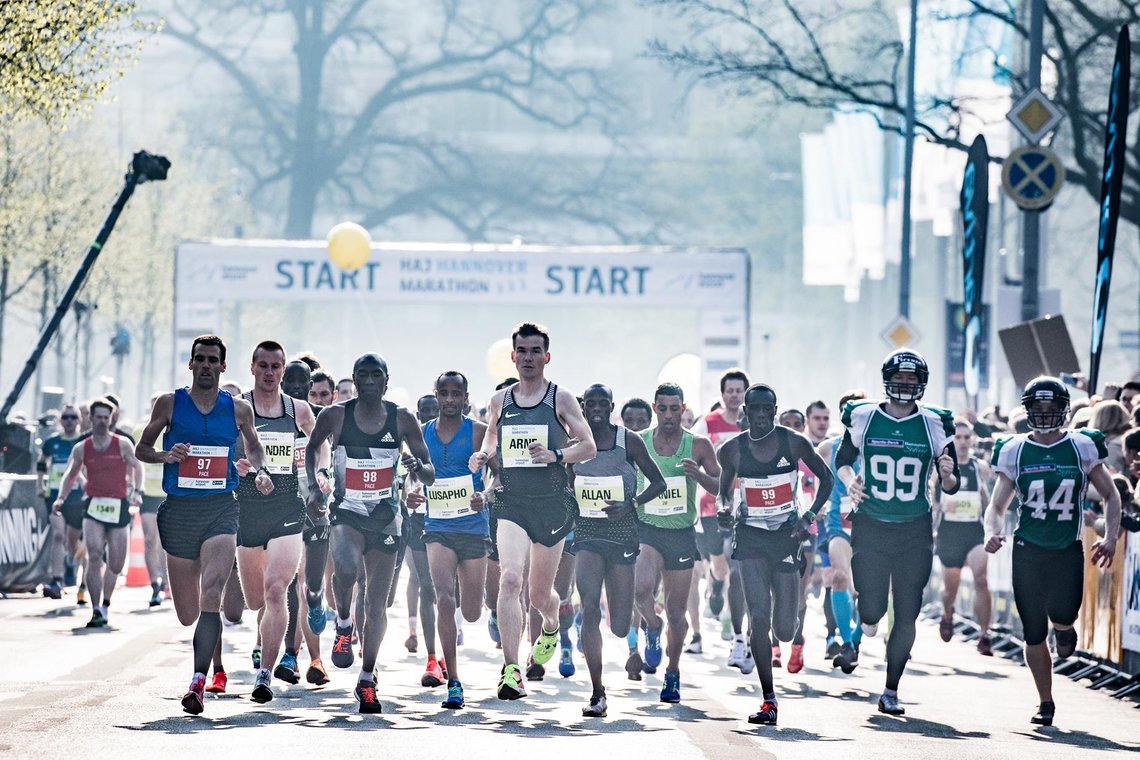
159,421
655,485
707,471
570,414
728,457
825,481
1104,550
136,469
491,439
995,513
243,415
71,474
418,460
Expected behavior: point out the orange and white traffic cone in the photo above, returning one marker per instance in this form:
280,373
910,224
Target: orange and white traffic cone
137,574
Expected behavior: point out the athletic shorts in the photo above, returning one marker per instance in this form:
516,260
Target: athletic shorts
374,537
185,524
262,520
1048,585
569,547
467,546
124,514
547,520
613,553
710,541
150,505
677,546
72,510
955,540
776,547
415,534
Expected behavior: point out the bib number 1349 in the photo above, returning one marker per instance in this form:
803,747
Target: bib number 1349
892,478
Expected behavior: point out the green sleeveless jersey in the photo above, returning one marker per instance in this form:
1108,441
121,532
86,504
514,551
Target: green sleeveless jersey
897,456
676,508
1051,482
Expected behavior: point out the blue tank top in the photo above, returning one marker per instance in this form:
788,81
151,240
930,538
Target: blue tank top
209,470
448,499
839,514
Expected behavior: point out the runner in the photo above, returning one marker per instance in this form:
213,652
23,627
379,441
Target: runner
1049,469
767,531
795,419
420,590
108,464
901,445
198,522
66,522
961,537
322,388
636,415
367,433
605,533
529,427
345,390
665,530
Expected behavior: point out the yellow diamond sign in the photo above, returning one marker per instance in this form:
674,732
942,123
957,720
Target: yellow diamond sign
900,332
1035,116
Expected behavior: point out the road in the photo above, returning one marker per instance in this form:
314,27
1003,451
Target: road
69,692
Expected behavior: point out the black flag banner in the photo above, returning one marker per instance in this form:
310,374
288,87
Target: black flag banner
974,202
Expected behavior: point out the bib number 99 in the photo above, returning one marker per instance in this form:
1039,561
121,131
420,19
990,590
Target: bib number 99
893,479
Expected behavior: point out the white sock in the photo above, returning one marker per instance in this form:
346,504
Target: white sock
343,622
366,677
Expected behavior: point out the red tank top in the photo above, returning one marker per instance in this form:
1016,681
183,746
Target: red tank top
106,470
719,432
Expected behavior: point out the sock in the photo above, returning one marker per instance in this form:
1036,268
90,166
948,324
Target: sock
155,587
841,605
740,637
891,693
264,673
291,651
343,622
770,697
366,677
411,625
631,638
207,633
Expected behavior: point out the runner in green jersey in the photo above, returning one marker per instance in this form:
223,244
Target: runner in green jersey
1050,469
898,444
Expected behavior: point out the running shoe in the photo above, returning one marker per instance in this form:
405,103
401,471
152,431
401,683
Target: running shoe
342,647
261,691
433,674
1066,642
218,685
316,674
716,598
81,599
97,620
155,598
454,699
596,708
493,627
671,689
694,645
534,671
847,658
442,669
255,656
633,665
776,663
412,643
833,646
1045,714
194,700
545,646
653,651
286,670
890,705
796,661
726,629
54,590
985,646
736,656
747,665
511,684
766,716
366,695
316,612
946,627
566,663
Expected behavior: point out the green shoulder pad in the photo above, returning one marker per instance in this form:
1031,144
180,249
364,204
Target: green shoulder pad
947,418
1098,438
998,443
849,408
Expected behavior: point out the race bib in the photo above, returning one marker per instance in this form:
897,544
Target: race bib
964,506
55,475
595,493
449,498
105,509
300,445
279,452
516,444
768,497
368,481
205,467
674,501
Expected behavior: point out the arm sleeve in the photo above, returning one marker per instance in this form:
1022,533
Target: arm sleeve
848,452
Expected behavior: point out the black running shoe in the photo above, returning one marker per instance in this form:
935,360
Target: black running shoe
342,656
262,692
766,716
366,693
847,658
1045,713
534,671
891,706
1066,642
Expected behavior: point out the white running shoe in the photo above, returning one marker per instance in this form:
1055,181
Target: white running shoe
736,657
747,665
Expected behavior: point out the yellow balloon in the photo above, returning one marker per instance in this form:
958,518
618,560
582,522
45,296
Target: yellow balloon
350,246
500,365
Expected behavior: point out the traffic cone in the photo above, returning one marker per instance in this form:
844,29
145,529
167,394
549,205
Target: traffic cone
137,574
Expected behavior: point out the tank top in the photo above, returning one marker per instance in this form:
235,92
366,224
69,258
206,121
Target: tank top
769,491
449,497
106,480
365,467
300,452
676,508
57,449
964,507
609,476
209,469
719,431
278,437
520,426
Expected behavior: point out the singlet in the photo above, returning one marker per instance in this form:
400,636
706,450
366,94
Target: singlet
769,491
106,480
676,508
449,497
897,456
719,431
1051,482
57,450
964,507
839,514
365,467
209,469
278,437
300,452
518,428
609,476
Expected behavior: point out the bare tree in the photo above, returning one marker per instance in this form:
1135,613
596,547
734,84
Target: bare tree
828,54
348,119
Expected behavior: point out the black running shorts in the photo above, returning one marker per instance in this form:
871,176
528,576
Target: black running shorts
1048,585
776,547
184,524
467,546
263,520
547,520
677,546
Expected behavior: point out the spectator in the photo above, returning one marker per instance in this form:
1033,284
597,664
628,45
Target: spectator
1111,418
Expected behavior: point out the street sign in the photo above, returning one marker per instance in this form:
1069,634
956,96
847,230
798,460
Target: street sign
900,332
1035,116
1032,176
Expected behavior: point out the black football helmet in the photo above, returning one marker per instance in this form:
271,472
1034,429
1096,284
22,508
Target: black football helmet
905,360
1046,388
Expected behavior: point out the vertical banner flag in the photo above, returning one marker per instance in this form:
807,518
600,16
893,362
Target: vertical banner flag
1115,138
974,201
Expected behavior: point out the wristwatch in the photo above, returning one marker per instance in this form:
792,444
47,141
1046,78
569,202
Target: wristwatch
558,455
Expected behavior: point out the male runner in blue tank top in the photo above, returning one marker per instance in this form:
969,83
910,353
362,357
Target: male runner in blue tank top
530,425
367,433
198,522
